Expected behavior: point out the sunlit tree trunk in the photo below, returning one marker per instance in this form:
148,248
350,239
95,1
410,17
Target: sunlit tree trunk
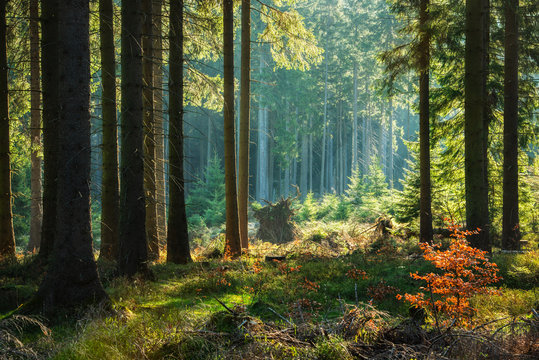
354,122
233,244
7,237
110,198
474,128
149,131
511,231
243,169
160,187
177,239
324,131
36,212
262,163
133,247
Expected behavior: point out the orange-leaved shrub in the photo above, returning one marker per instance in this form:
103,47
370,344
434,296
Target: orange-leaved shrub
464,272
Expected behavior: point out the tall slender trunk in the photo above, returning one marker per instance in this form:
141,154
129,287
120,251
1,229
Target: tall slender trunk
36,212
149,131
178,239
159,130
390,146
303,182
72,279
425,214
110,198
49,83
233,243
262,164
7,236
354,122
511,231
475,166
133,247
366,132
324,131
310,156
245,96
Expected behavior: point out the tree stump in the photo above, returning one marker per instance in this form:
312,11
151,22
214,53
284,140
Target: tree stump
276,225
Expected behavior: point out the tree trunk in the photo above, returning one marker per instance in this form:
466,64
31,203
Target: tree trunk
7,237
354,122
159,133
390,146
425,211
310,156
110,198
233,244
303,182
511,231
72,279
262,163
324,131
49,83
149,132
133,247
475,167
243,171
366,132
36,212
178,239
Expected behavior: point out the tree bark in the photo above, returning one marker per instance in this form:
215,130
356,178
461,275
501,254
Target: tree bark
390,146
324,131
425,214
36,211
159,129
7,236
262,163
133,247
511,231
233,244
354,122
72,278
177,239
149,131
243,171
110,195
49,83
475,166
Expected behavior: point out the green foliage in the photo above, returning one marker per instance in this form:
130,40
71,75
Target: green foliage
207,200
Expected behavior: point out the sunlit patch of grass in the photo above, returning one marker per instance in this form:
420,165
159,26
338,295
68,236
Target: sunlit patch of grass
510,302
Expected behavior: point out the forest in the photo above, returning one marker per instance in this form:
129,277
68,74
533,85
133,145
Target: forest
269,179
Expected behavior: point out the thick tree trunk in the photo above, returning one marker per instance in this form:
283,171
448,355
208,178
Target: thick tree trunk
133,247
233,244
159,133
425,211
49,82
149,132
72,278
511,231
7,237
178,239
110,194
243,171
36,211
475,166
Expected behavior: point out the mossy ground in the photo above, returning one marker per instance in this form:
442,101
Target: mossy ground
249,308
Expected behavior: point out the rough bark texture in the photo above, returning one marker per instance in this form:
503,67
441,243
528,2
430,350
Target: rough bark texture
233,244
425,215
72,278
243,171
7,237
511,231
36,212
133,249
110,193
475,166
149,132
49,83
159,129
178,239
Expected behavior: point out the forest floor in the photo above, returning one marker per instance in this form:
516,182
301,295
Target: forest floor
332,297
